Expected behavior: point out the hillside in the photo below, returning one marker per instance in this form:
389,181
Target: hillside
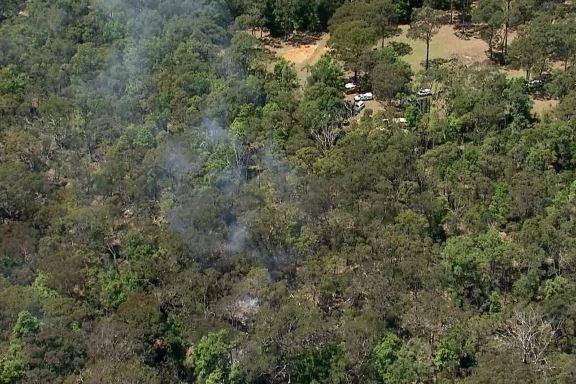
240,191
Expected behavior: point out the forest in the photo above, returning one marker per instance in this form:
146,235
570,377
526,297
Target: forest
177,206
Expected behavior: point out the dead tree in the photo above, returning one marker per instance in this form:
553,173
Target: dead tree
529,333
327,134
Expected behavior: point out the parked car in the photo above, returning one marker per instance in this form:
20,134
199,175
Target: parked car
400,120
364,96
424,92
350,88
359,106
534,83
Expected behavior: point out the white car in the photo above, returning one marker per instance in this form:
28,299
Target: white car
534,83
350,88
424,92
400,120
359,105
364,96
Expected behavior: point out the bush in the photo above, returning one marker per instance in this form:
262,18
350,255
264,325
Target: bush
401,49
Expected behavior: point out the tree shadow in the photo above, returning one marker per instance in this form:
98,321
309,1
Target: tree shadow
465,31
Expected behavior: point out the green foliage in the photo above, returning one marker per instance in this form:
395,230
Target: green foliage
501,199
211,361
495,303
445,356
400,48
350,40
388,80
320,366
559,85
398,362
470,264
115,287
556,286
12,84
413,115
404,10
491,14
175,207
41,288
244,49
327,71
285,75
425,24
25,324
533,49
385,354
526,287
12,364
384,18
320,105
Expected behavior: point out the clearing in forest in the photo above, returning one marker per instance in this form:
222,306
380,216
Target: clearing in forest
540,106
446,44
302,55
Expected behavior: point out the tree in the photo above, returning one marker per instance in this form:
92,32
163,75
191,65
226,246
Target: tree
12,84
517,13
326,71
567,107
253,16
390,79
426,23
398,362
507,13
535,46
244,49
352,11
350,40
385,353
384,16
285,75
127,371
564,32
25,324
211,360
322,112
492,15
475,267
20,190
404,11
530,334
12,364
285,13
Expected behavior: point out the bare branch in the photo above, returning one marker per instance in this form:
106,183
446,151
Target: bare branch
529,333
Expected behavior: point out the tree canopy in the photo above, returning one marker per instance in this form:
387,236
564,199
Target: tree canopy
179,205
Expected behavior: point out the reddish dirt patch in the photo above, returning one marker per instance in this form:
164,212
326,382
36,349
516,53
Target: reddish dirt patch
302,55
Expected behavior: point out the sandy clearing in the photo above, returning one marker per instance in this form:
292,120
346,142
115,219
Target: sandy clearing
303,55
541,106
445,45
